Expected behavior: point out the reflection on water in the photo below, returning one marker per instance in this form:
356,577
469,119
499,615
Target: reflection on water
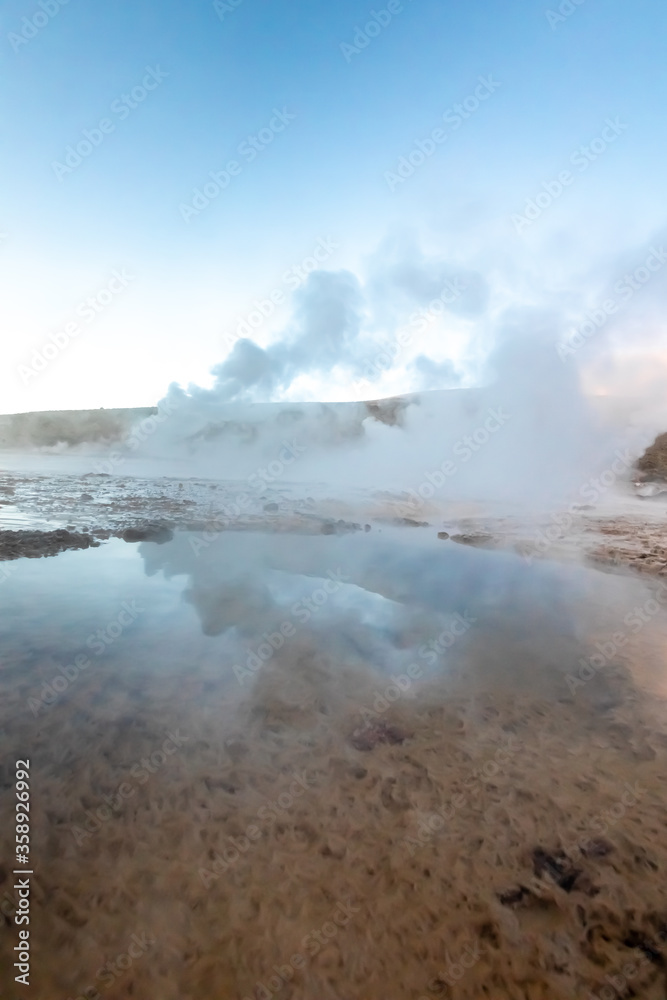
234,738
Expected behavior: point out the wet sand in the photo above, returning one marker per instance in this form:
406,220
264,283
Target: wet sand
492,827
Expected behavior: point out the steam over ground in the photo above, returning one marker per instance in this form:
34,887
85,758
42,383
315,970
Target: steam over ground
506,402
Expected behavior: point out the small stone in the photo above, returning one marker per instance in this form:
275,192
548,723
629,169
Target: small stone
597,847
154,532
368,737
512,897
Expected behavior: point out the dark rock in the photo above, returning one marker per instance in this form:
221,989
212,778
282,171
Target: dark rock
35,544
370,736
512,897
635,939
597,847
557,866
481,540
339,527
152,532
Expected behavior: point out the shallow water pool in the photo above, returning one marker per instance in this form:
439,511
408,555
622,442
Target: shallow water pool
202,804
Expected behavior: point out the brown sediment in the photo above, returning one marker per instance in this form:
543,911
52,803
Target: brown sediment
630,542
484,840
35,544
465,848
373,734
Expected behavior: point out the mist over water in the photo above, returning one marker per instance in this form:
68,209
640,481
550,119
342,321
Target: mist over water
243,605
176,698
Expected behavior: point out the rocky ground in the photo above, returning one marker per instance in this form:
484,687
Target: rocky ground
44,514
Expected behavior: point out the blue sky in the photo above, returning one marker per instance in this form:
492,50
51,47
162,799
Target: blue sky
219,76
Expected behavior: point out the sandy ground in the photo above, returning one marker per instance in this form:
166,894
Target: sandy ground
498,831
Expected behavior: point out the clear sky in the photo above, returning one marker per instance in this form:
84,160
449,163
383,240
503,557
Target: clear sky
113,114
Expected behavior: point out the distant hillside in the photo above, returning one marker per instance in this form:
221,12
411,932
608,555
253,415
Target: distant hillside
239,424
49,428
654,460
204,426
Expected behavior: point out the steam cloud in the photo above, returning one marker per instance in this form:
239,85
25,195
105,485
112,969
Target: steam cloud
441,326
